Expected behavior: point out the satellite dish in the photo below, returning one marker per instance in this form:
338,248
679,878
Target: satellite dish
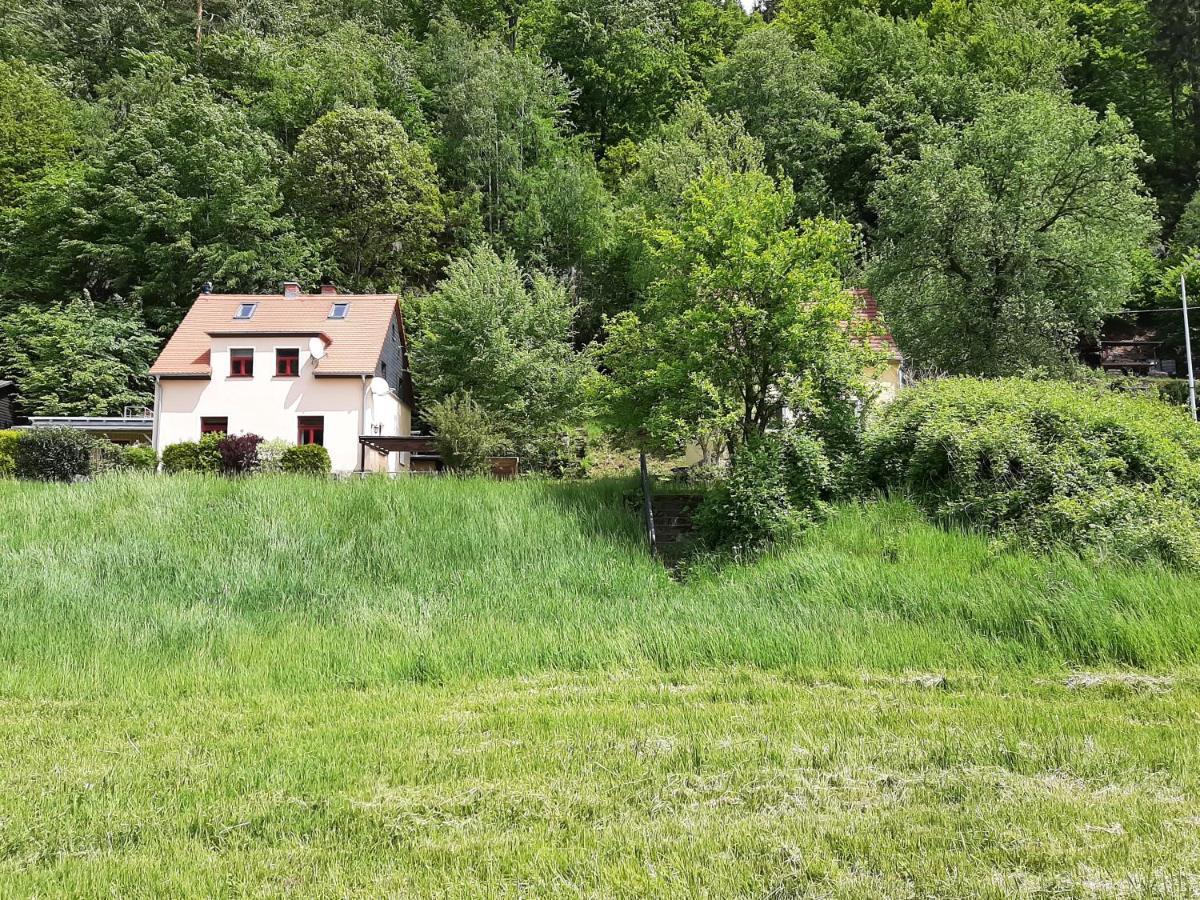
316,347
379,386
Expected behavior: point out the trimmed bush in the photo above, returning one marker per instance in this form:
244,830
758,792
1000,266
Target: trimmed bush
107,457
193,456
270,455
1048,464
181,457
54,454
306,459
8,453
140,458
775,488
239,453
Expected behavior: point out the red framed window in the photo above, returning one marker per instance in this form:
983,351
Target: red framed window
287,362
214,425
311,430
241,363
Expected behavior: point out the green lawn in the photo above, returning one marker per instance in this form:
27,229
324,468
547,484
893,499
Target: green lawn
442,688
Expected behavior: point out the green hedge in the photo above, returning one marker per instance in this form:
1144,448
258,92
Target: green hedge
54,454
306,459
1046,463
8,453
193,456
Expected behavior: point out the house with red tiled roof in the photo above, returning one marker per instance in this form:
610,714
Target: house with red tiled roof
889,377
326,368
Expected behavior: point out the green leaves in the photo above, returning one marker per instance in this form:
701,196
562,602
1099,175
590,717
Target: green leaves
74,360
1009,238
741,316
368,196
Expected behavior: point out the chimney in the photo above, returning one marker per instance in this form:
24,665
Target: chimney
328,288
291,289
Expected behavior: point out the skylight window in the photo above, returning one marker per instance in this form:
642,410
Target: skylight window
245,310
339,310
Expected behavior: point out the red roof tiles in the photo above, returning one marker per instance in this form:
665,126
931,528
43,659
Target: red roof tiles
354,343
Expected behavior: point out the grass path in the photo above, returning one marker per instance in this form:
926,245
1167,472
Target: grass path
730,784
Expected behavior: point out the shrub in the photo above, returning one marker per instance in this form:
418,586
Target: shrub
775,487
140,458
1047,464
192,456
106,457
306,459
54,454
239,453
181,457
8,453
464,433
270,455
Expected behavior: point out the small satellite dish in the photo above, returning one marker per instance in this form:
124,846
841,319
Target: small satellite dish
379,386
316,347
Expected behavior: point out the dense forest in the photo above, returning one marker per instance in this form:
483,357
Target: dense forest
1004,174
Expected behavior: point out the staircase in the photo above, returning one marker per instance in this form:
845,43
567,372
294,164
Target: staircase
674,527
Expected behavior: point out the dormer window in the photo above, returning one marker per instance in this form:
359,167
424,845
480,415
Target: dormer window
245,310
339,310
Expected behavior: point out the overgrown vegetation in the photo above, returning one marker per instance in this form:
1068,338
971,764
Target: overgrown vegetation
474,684
1049,463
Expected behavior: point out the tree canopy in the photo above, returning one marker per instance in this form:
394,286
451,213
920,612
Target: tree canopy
145,150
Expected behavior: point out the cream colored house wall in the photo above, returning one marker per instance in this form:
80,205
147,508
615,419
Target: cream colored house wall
270,406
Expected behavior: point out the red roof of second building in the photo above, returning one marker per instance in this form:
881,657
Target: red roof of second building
354,343
868,308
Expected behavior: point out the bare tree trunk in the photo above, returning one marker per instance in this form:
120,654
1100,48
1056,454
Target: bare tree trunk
199,26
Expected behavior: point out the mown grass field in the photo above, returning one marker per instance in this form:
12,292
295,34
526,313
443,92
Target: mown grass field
458,689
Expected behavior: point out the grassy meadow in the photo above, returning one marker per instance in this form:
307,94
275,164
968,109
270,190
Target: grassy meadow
458,688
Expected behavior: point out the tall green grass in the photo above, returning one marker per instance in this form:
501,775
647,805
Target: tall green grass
184,583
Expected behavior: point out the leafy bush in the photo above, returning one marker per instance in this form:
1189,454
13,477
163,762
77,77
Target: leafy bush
140,458
464,433
306,459
775,487
239,453
8,453
270,455
192,456
54,454
107,457
1048,464
181,457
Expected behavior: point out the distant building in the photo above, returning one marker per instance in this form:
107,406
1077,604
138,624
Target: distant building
8,404
326,368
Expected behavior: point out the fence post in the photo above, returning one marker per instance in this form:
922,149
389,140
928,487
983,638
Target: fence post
648,506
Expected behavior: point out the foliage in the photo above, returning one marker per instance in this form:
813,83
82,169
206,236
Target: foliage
54,454
776,487
465,433
37,130
185,190
77,359
239,453
505,339
8,453
1047,463
193,456
305,459
140,458
1006,241
369,197
270,455
744,318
